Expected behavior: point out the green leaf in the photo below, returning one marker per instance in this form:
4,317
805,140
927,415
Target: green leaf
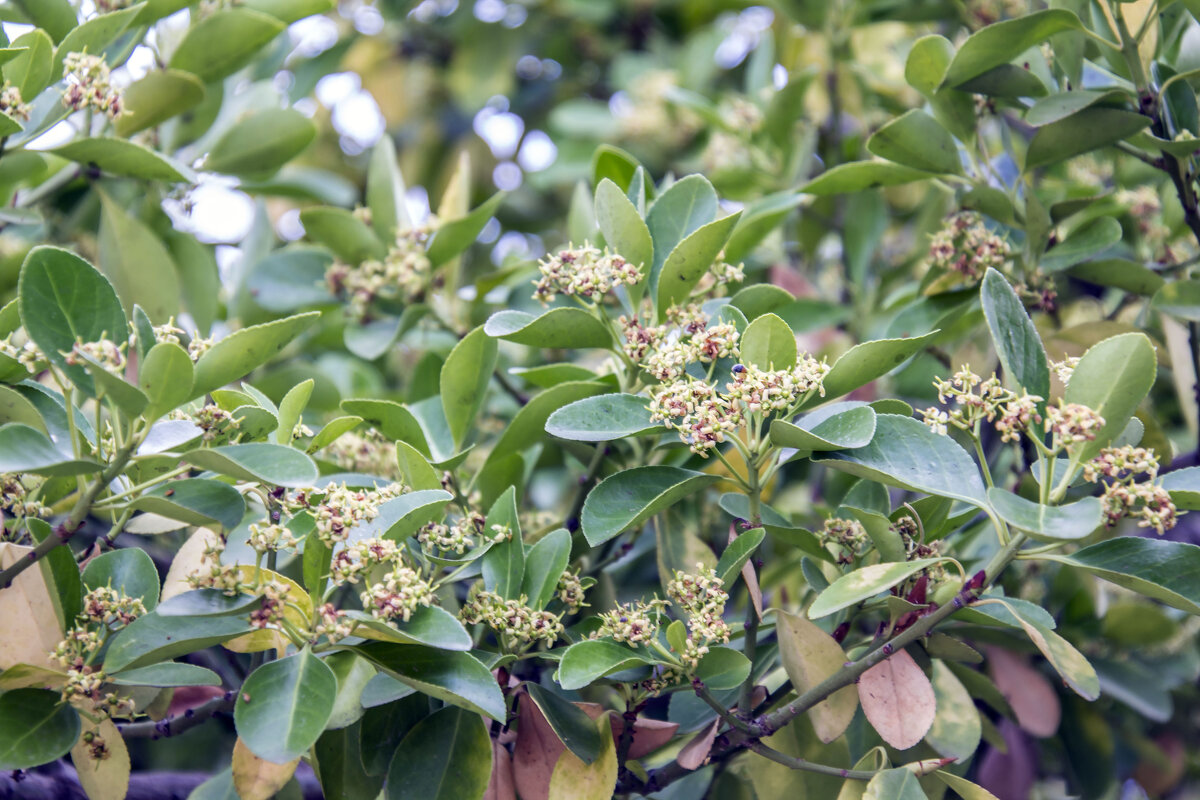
128,570
603,419
504,563
290,408
1082,132
258,462
290,10
1083,243
385,192
865,583
393,420
237,354
457,678
26,449
152,638
32,71
137,262
556,328
94,36
1063,104
431,626
737,554
56,17
917,140
196,501
464,381
758,219
158,97
1165,571
347,236
592,659
221,43
1184,487
339,759
907,454
283,706
258,145
165,377
1069,522
1180,299
963,787
545,563
684,208
837,426
1070,664
614,164
167,675
1022,355
570,723
809,656
1112,378
624,230
1001,42
454,236
956,728
124,159
61,575
207,603
867,361
35,728
446,756
528,427
858,176
629,498
894,784
63,299
723,668
768,343
690,261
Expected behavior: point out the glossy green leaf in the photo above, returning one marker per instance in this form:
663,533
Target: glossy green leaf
152,638
165,377
603,419
545,563
629,498
737,553
1001,42
1112,378
455,236
956,728
26,449
1070,664
339,759
1165,571
128,570
64,299
137,262
917,140
963,787
393,420
837,426
894,784
1184,487
613,163
867,361
196,501
283,706
290,10
347,236
1083,243
528,427
809,656
457,678
261,143
124,159
592,659
1180,299
1072,521
430,625
167,675
1082,132
758,219
447,756
237,354
464,381
723,668
858,176
1022,355
1120,273
688,205
690,261
35,728
207,603
257,461
570,723
504,563
94,35
223,42
291,407
556,328
158,97
56,17
768,343
865,583
624,230
385,192
64,584
907,454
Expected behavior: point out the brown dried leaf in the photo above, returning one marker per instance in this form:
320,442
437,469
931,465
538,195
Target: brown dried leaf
255,778
29,628
500,785
898,700
1028,691
695,753
106,778
810,655
535,753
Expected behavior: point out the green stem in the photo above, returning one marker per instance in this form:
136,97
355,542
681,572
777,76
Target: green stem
750,646
808,766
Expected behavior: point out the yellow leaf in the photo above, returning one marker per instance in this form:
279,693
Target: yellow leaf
188,560
810,655
105,778
255,778
29,628
268,639
575,780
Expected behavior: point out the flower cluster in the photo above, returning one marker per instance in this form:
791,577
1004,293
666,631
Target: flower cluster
369,452
274,601
965,246
702,417
584,272
104,352
1065,369
331,622
27,354
1071,424
14,498
768,390
11,102
212,574
356,559
401,276
702,600
1145,206
338,508
89,85
458,536
1129,476
977,400
570,592
217,423
848,535
632,623
401,592
103,610
511,618
266,537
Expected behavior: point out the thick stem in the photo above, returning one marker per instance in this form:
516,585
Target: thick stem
809,766
179,723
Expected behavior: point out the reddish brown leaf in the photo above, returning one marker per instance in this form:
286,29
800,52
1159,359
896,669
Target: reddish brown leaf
648,734
695,753
501,785
535,753
898,700
186,697
1030,694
